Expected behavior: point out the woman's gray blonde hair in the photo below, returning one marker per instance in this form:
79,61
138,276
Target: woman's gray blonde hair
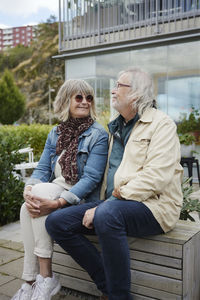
69,88
142,90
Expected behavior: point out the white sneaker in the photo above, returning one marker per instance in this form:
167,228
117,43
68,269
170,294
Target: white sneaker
24,293
45,288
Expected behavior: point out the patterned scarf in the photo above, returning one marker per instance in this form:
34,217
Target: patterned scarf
69,133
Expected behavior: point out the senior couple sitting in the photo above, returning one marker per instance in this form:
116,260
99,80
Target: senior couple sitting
139,177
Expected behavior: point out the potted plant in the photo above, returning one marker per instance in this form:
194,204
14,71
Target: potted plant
187,144
190,125
189,205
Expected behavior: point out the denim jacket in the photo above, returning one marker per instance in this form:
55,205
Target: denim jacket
91,162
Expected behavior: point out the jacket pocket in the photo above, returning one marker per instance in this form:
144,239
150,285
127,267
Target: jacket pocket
139,150
81,160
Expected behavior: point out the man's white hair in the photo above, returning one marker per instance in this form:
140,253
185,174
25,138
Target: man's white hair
142,89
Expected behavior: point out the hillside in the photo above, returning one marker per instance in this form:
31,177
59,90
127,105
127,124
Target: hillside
34,74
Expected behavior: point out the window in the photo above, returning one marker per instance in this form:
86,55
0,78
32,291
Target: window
175,70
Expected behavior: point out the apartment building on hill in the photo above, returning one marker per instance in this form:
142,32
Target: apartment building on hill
11,37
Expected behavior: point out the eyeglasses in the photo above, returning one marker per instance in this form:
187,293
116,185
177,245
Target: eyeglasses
118,85
88,98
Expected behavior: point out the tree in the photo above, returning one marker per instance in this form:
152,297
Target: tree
12,101
14,56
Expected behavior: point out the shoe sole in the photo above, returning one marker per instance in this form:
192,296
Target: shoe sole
55,290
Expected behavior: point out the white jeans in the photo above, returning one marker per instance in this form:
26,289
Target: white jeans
37,241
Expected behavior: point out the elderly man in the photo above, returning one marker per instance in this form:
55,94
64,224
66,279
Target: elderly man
142,188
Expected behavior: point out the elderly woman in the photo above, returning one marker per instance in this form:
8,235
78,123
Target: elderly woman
69,172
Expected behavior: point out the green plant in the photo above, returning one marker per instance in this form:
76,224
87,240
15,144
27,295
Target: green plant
11,189
12,101
14,56
189,205
186,139
191,124
26,135
103,118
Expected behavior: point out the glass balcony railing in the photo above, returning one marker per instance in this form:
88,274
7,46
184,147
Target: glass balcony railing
88,23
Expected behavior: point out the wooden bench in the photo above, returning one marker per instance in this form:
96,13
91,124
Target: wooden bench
165,267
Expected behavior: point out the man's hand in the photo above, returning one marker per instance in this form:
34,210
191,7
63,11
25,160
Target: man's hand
116,193
88,218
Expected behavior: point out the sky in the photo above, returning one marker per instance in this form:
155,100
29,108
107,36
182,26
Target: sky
14,13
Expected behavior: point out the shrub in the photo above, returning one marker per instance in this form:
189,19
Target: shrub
186,139
191,124
12,101
189,205
26,135
11,189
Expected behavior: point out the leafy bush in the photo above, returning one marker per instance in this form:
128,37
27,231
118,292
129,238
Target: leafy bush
186,139
13,138
11,189
189,205
191,124
13,56
26,135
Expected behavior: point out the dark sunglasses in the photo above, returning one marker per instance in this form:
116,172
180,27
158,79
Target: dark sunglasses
79,98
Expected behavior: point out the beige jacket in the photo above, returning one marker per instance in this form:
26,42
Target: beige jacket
150,169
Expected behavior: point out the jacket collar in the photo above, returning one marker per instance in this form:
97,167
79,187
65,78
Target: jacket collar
87,132
147,116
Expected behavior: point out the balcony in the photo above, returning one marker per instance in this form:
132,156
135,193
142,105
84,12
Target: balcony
7,43
7,31
97,24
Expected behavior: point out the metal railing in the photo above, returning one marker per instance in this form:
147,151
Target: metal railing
90,23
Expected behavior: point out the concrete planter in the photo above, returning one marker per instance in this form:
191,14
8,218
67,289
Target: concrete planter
187,150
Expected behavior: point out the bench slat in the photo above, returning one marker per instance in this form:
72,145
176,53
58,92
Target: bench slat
135,255
156,259
77,273
156,247
66,261
156,269
79,285
150,292
157,282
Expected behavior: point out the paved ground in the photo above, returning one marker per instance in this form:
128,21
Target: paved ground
11,260
11,263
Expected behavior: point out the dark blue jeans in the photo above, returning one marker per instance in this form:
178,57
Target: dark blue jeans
113,221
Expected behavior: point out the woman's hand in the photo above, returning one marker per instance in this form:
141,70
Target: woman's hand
88,218
32,206
27,192
38,206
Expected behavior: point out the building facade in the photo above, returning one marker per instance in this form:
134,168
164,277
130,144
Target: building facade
98,38
11,37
